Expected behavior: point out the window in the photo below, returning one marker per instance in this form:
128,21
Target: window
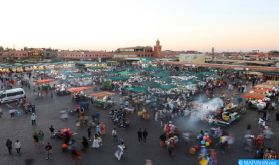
10,94
15,93
2,96
19,93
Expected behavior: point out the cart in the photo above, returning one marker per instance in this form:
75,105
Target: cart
232,117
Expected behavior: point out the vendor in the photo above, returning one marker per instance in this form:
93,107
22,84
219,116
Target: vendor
225,116
219,113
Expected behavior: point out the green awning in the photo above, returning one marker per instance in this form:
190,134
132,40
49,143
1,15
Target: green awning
167,86
119,78
138,89
123,73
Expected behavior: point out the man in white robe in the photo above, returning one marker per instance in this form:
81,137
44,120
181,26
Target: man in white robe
120,151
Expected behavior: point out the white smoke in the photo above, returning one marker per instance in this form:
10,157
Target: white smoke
212,105
203,107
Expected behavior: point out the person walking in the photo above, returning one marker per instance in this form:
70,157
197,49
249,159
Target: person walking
36,137
89,132
48,149
41,137
277,115
264,115
33,119
17,146
102,128
1,112
140,135
97,129
120,151
144,135
249,129
51,95
9,144
84,143
148,162
51,129
67,137
97,141
114,135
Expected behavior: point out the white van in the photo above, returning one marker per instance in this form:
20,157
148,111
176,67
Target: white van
11,95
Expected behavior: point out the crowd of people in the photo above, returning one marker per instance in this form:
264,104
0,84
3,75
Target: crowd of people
164,107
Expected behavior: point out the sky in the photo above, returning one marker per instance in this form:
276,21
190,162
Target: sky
227,25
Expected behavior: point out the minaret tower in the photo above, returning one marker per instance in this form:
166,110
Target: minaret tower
157,49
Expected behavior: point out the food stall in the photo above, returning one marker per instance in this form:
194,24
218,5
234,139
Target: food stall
271,82
102,99
44,81
61,90
227,118
144,114
78,92
264,86
45,84
256,99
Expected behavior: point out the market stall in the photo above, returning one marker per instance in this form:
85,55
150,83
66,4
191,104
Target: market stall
270,82
254,95
226,118
256,100
45,85
264,86
44,81
78,89
102,99
78,92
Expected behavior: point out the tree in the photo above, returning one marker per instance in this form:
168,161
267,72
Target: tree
1,49
7,49
106,85
273,52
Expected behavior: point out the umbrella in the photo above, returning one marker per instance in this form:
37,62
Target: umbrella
12,111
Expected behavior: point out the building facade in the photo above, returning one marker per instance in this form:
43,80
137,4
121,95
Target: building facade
138,51
15,54
66,54
129,52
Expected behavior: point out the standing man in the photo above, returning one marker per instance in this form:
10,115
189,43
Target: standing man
148,162
17,146
140,135
144,134
9,144
264,114
114,135
41,137
33,119
89,131
51,129
1,112
51,95
48,149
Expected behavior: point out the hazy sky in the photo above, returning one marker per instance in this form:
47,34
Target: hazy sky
109,24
